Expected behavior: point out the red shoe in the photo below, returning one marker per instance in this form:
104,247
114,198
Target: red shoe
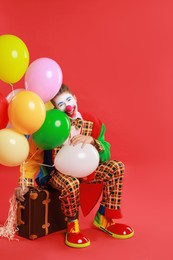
115,230
74,238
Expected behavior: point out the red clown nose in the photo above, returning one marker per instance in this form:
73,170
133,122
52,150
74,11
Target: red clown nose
68,108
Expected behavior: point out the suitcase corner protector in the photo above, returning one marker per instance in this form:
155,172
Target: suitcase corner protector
32,237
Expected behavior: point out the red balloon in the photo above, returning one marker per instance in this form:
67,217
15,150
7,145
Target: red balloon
3,111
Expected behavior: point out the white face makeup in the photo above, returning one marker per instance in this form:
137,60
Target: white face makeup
67,103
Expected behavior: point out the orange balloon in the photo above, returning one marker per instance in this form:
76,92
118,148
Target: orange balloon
26,112
14,147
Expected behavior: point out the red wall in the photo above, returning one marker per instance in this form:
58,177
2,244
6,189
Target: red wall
116,56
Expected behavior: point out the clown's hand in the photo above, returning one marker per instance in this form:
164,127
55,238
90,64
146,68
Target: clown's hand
84,139
19,193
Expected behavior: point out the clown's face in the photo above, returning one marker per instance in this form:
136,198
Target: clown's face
67,103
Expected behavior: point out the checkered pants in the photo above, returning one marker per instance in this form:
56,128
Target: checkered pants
110,173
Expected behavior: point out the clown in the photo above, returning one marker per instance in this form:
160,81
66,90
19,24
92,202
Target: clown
85,129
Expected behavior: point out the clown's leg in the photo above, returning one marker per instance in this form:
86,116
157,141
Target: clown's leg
69,188
111,173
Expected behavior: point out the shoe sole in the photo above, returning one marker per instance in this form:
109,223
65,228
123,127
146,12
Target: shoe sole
112,234
76,245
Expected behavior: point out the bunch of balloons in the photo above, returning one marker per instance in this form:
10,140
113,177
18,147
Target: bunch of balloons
28,111
23,111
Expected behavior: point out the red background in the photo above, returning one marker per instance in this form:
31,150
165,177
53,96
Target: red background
117,57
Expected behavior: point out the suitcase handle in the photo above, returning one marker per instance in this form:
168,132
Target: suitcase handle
20,207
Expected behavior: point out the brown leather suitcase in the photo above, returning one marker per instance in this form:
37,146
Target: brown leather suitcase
40,214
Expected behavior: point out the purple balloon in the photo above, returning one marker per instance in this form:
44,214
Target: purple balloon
44,77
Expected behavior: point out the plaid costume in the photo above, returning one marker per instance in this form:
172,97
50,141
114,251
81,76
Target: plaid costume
110,172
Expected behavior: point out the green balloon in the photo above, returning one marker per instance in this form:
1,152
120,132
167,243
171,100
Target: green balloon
54,131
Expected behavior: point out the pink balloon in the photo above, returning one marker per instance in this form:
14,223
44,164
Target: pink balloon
44,77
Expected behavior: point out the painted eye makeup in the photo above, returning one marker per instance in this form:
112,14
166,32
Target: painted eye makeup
60,104
69,99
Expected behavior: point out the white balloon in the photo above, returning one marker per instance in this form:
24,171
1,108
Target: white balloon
77,161
13,93
14,147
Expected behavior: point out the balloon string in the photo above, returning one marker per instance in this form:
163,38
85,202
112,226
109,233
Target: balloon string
23,181
42,164
12,88
9,228
31,156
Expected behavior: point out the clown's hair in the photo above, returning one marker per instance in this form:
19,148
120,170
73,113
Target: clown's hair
63,88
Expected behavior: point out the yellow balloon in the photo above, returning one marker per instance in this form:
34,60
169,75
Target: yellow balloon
49,106
14,58
14,147
26,112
